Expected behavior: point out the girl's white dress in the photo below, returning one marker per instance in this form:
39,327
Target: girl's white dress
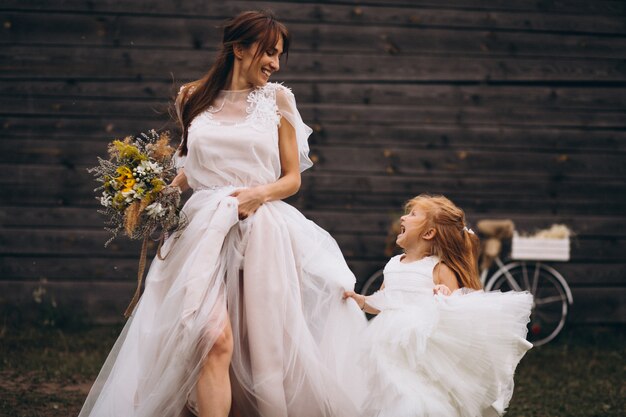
441,356
276,276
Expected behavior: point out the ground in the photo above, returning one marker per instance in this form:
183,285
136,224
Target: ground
46,371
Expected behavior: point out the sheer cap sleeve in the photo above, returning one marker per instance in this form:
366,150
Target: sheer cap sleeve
286,103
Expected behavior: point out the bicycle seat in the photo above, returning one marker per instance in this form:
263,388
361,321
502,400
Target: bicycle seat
499,229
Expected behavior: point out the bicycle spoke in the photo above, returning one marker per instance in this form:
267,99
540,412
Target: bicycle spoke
535,280
512,282
550,306
549,300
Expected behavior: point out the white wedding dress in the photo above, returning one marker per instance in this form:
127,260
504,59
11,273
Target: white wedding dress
277,276
441,356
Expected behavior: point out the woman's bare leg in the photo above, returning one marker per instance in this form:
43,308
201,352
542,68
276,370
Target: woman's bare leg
213,387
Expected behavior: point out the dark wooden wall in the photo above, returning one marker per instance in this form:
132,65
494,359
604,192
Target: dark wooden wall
511,108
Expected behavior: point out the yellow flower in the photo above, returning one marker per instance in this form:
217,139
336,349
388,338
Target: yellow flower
128,185
126,178
124,171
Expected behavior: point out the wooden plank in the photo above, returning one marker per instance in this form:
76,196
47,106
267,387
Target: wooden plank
563,6
82,149
483,201
47,242
353,221
56,217
512,115
482,194
577,274
359,16
76,151
391,115
488,96
87,130
416,136
83,30
598,305
158,91
582,226
485,205
408,162
361,245
331,112
484,96
429,136
470,185
57,62
120,108
46,151
362,11
543,181
99,302
364,246
401,178
104,302
71,268
79,269
419,41
379,222
171,32
592,274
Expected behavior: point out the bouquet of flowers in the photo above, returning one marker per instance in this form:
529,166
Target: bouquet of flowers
134,191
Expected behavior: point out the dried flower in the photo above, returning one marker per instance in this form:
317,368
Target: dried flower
134,190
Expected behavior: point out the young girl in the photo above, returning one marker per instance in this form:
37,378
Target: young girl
440,346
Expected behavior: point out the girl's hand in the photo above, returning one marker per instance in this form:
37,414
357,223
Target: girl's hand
250,199
360,299
441,289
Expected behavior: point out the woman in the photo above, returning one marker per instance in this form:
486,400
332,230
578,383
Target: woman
249,282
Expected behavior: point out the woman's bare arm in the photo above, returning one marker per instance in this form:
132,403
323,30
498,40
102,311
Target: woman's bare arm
250,199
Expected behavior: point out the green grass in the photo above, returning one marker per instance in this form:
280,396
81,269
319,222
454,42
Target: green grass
46,371
581,374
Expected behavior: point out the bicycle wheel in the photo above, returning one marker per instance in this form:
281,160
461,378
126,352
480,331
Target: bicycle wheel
373,283
551,296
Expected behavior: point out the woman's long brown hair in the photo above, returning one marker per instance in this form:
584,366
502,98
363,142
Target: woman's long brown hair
453,243
245,29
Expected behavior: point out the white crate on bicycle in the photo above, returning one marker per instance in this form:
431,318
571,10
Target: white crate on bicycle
540,248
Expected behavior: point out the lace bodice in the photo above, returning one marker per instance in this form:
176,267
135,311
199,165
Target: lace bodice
235,141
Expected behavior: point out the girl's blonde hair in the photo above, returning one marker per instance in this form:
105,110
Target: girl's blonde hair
453,243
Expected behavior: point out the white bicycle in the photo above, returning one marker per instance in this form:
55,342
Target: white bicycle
524,270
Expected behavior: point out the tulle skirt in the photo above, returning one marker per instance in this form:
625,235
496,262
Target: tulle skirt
445,356
279,278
